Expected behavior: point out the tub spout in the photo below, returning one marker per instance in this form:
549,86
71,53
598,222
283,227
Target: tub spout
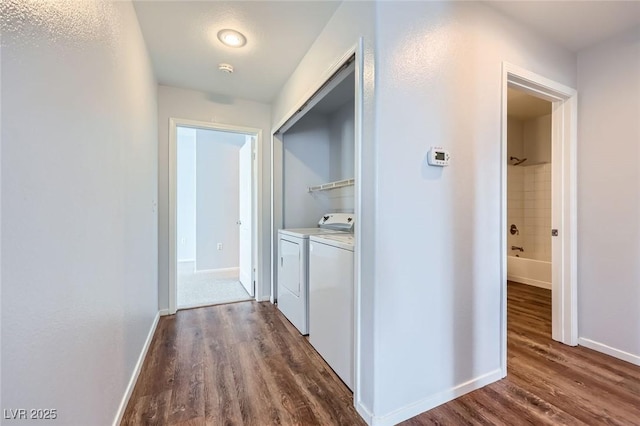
517,248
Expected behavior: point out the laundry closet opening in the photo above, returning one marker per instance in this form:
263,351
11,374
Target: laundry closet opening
214,225
313,229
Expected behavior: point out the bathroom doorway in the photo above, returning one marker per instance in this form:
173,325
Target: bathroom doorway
538,206
529,258
528,189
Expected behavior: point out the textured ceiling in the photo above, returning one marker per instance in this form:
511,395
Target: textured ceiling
181,38
574,24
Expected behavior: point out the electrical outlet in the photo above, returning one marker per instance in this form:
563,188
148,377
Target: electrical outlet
219,246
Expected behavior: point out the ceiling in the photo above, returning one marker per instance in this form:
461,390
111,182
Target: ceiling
181,36
182,40
524,107
573,24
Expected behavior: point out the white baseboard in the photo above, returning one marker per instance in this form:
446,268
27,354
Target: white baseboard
163,312
529,281
136,372
364,413
220,274
608,350
263,299
427,404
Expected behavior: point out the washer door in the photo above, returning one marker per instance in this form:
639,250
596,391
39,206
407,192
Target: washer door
289,269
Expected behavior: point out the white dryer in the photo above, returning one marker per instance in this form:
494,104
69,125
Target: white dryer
293,266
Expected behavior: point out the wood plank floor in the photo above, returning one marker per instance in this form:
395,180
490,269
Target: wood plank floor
547,383
236,364
245,364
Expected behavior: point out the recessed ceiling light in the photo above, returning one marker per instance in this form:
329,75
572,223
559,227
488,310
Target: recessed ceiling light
228,68
232,38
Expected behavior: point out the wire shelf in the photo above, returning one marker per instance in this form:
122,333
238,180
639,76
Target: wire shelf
332,185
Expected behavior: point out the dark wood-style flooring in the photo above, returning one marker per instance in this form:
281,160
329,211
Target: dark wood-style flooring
245,364
236,364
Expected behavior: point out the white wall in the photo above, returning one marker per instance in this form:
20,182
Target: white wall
305,163
186,194
609,195
341,145
79,227
342,161
437,313
194,105
218,198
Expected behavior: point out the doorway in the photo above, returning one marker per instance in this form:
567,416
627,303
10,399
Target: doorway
213,206
528,189
529,260
552,194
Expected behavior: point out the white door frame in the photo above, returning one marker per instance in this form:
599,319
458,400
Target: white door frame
564,129
256,243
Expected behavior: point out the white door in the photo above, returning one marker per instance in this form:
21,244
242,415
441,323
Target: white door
244,221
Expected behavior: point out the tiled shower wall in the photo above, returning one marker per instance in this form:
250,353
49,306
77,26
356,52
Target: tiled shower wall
515,207
537,211
529,208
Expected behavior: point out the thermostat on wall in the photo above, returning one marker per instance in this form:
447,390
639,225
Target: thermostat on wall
438,157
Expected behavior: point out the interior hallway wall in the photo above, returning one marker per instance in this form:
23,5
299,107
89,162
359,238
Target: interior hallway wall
609,196
194,105
79,222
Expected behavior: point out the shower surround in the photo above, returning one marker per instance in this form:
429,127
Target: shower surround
529,208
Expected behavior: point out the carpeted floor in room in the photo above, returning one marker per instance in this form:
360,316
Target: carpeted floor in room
202,289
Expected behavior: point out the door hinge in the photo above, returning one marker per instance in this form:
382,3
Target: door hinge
554,232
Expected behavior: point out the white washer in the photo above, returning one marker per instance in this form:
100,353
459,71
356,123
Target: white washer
293,271
331,302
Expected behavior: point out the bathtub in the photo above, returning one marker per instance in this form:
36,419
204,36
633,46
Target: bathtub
529,271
